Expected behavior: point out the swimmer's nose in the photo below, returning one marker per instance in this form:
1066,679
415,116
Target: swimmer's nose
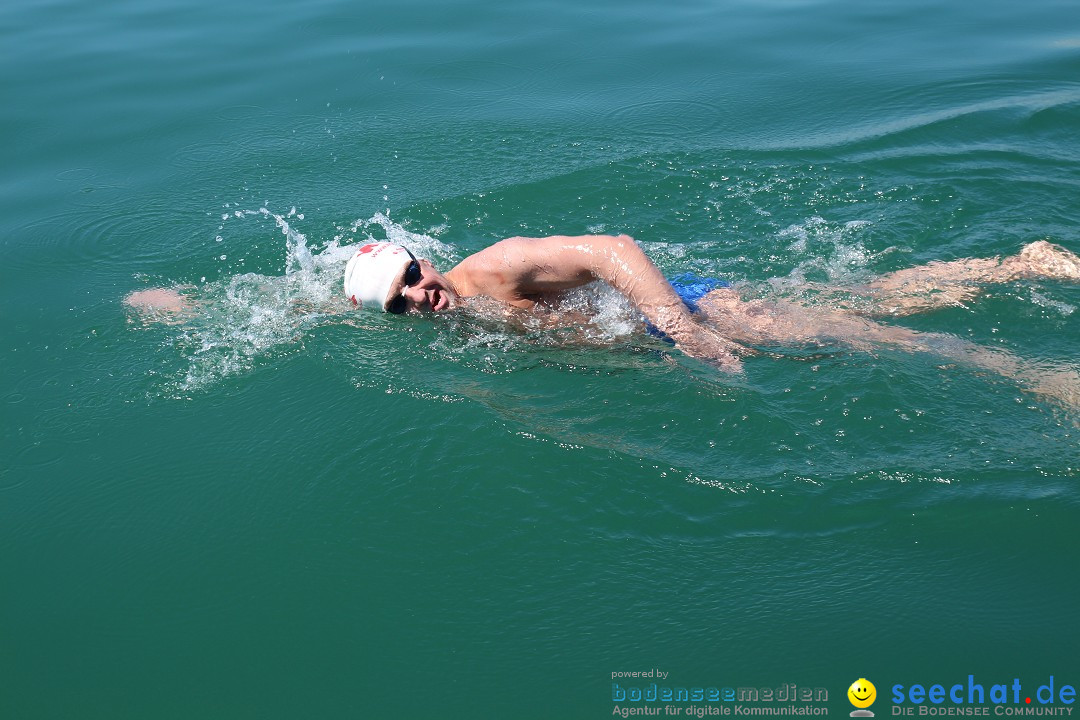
418,297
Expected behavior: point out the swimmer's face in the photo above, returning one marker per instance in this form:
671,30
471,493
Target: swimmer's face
419,287
862,693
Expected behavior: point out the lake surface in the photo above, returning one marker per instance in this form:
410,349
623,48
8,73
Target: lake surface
283,508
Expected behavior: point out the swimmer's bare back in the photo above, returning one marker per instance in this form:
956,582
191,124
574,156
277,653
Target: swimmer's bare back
518,270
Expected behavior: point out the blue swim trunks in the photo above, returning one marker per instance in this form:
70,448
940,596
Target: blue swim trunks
691,288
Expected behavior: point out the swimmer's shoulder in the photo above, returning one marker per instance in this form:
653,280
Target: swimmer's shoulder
492,273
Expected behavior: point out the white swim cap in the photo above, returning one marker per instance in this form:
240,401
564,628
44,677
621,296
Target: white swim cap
371,272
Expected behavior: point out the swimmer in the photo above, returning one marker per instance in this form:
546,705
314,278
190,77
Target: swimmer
722,327
527,272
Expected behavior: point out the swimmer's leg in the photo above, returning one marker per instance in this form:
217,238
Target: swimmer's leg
954,283
786,322
1060,383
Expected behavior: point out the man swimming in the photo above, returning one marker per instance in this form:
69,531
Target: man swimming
526,272
720,327
714,323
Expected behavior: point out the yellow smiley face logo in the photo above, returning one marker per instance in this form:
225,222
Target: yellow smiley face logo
862,693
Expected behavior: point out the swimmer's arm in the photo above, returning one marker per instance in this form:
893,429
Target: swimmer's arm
564,262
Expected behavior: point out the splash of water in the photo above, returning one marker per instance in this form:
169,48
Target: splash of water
826,251
243,318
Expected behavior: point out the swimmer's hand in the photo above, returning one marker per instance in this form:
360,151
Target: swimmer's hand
163,299
709,346
694,338
165,305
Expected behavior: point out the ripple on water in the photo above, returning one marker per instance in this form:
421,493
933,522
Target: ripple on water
227,147
77,175
472,78
672,118
591,87
202,153
110,233
949,112
34,457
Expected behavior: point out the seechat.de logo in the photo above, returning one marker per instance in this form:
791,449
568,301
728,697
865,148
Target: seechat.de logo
862,694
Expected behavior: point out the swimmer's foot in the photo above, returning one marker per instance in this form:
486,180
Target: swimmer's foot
1041,259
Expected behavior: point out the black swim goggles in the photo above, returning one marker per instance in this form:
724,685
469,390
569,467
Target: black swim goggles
412,276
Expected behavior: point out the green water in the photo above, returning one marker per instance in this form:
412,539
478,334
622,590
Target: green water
283,509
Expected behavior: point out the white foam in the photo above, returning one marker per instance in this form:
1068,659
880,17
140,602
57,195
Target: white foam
826,251
246,317
1063,308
